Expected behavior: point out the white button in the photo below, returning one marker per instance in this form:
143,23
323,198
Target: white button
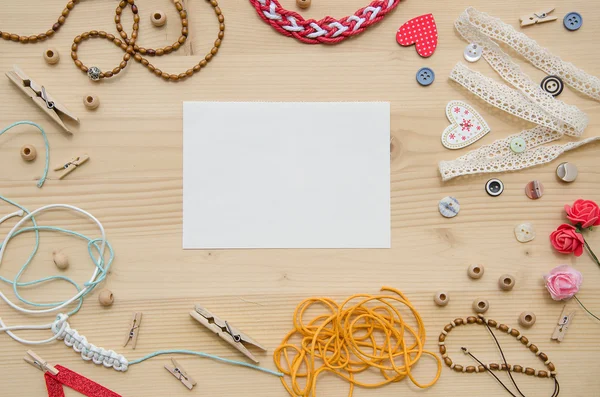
473,52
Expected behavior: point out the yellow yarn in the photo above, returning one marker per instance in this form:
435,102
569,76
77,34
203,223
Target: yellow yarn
349,339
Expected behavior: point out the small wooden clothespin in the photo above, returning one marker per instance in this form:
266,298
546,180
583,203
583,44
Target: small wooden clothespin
40,97
39,363
134,330
537,17
563,324
71,165
226,331
177,371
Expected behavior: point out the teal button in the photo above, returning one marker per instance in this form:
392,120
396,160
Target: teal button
518,145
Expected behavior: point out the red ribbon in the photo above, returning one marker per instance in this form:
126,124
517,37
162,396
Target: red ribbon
66,377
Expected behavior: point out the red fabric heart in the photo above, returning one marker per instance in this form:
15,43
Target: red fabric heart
421,31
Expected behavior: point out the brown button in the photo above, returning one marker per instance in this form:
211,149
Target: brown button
567,172
534,190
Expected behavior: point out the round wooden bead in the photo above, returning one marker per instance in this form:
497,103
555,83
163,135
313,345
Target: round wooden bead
527,319
475,271
28,153
91,101
480,305
106,298
506,282
60,260
51,56
441,298
158,18
303,3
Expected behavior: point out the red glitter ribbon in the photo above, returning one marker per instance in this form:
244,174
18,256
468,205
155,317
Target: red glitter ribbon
66,377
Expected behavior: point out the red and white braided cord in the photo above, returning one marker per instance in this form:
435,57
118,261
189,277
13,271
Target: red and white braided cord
327,30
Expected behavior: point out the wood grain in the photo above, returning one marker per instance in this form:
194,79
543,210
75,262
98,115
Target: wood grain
133,184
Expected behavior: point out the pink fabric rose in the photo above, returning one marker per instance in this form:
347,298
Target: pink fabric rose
585,213
565,240
563,282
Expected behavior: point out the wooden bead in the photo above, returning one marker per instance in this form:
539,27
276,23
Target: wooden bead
51,56
28,153
542,374
517,368
448,327
506,282
443,350
60,260
442,337
106,298
503,327
551,367
492,323
524,340
494,366
515,332
543,356
527,319
475,271
158,18
470,369
91,101
471,320
448,361
458,321
480,305
441,298
458,368
533,348
303,3
529,371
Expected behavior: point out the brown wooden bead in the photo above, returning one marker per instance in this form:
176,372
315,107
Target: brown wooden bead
515,332
150,52
50,33
70,5
458,368
543,357
168,49
183,14
481,368
203,63
529,371
176,45
208,57
134,9
448,328
123,64
503,327
303,3
160,52
42,36
221,18
174,77
189,72
137,57
84,68
145,62
106,298
56,26
442,349
184,23
23,39
479,320
214,51
179,6
494,366
218,10
181,39
165,75
32,39
110,36
533,348
442,337
94,33
61,20
448,361
14,37
504,367
151,67
65,12
214,3
123,46
116,70
6,35
108,74
184,31
542,374
136,19
471,319
551,367
470,369
222,27
77,39
73,55
218,43
123,34
127,57
78,63
85,35
524,340
197,68
182,76
221,35
28,153
158,72
517,368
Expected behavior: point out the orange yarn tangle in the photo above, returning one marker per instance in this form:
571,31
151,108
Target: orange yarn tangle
364,332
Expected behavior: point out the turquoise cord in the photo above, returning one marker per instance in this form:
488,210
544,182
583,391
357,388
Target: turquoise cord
206,355
47,145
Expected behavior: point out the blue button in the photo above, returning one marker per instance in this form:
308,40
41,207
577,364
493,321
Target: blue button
573,21
425,76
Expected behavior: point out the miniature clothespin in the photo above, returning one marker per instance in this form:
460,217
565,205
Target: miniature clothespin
226,331
538,17
177,371
39,363
40,97
134,330
71,165
563,324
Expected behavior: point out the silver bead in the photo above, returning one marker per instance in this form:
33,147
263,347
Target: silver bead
94,73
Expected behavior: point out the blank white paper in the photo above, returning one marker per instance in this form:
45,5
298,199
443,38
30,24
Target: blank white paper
286,175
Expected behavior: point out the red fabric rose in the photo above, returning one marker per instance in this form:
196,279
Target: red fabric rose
565,240
585,213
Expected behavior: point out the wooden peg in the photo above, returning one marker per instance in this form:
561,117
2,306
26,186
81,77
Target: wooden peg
39,363
563,324
178,372
134,330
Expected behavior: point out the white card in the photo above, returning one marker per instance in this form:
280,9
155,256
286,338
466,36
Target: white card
286,175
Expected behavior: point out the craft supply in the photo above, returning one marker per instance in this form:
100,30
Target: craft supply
506,282
303,3
91,101
573,21
504,366
534,190
518,145
425,76
71,165
473,52
158,18
128,44
527,101
567,172
538,17
364,333
178,372
527,319
420,31
441,298
28,152
60,259
106,298
38,362
40,97
324,31
284,211
525,232
564,321
494,187
475,271
449,207
51,56
467,126
134,330
226,331
480,305
553,85
569,238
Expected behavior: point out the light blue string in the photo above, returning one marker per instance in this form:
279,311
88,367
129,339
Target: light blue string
46,144
206,355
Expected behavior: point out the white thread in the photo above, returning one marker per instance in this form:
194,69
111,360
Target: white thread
7,217
294,27
528,343
359,21
374,11
441,343
536,372
509,330
453,323
464,369
477,368
318,31
444,332
340,28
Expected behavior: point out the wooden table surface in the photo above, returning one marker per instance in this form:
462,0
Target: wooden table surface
133,184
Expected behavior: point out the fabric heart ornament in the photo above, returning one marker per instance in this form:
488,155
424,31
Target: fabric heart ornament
467,126
420,31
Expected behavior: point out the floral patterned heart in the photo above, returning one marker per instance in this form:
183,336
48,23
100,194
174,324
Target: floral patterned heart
420,31
467,126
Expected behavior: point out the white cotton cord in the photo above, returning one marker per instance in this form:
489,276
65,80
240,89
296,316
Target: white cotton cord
7,217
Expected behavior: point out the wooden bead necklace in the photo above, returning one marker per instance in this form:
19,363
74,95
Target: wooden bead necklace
128,44
481,320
